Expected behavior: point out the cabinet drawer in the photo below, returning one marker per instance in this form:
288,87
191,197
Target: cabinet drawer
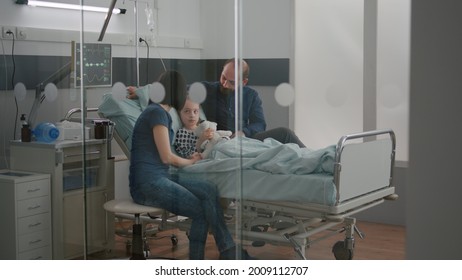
33,206
34,240
75,154
34,223
32,189
43,253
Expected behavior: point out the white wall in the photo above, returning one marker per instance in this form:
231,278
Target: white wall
393,67
329,70
266,28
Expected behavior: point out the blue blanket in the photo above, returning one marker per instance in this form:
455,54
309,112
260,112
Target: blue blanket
268,156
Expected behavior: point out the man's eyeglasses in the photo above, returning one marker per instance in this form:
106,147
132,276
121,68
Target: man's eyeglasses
225,80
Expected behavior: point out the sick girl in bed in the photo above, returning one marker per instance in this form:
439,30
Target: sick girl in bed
196,135
152,184
186,141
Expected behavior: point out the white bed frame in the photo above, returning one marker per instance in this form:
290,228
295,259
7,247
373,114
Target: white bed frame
363,178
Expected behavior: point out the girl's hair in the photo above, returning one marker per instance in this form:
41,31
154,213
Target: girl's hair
175,89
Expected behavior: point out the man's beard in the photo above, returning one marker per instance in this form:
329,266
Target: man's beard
226,91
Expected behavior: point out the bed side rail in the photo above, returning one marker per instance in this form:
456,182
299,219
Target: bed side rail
364,163
71,112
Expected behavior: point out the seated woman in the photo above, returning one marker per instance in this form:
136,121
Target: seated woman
152,184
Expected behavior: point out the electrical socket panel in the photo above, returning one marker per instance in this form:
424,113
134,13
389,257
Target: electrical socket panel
6,32
150,40
21,33
130,40
187,43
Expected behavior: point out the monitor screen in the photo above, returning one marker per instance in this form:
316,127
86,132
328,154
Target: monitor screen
97,65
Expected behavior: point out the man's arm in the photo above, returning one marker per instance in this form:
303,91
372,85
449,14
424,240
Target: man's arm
256,121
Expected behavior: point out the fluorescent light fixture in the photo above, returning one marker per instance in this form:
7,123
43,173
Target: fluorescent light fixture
70,6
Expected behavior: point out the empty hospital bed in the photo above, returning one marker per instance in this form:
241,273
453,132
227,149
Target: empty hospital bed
296,204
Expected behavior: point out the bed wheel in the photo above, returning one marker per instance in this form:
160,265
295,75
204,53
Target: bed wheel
341,252
174,240
261,228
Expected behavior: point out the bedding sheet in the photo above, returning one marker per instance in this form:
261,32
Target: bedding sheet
268,171
316,188
269,156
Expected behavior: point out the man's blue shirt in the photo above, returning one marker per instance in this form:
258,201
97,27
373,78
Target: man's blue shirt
220,108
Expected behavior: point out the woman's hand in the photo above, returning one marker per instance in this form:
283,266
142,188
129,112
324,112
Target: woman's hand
195,157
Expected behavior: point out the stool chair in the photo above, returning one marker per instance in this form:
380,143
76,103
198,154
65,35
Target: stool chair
128,206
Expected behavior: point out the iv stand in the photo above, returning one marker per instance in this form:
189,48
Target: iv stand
103,31
137,46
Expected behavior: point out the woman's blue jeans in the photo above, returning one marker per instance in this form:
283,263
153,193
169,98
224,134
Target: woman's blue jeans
195,199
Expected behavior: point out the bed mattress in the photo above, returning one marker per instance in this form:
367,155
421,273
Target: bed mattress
251,169
265,186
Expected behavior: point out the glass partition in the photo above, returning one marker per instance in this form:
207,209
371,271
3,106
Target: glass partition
38,89
93,56
53,77
270,77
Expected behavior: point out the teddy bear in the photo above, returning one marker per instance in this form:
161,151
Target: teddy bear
218,136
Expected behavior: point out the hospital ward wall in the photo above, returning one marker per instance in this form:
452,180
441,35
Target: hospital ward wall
268,45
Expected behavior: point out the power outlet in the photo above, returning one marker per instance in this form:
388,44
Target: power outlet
187,43
131,40
21,33
8,32
150,40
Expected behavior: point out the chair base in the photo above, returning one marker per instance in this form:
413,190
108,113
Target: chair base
137,243
128,206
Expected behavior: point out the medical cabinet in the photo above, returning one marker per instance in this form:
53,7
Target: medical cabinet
74,194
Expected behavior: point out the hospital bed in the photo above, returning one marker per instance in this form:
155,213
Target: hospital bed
299,202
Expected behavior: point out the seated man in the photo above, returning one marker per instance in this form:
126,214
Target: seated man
219,107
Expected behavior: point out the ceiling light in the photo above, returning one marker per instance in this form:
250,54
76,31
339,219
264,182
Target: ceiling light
69,6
